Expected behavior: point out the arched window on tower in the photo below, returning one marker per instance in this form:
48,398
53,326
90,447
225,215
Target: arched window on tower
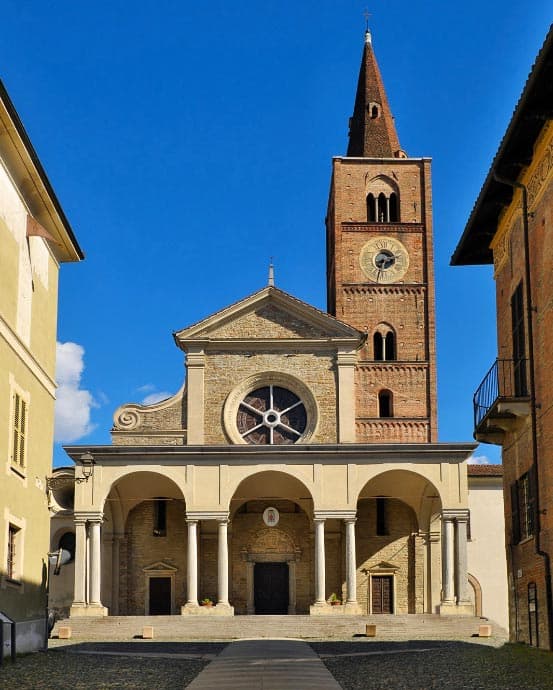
382,208
385,407
394,215
389,346
378,344
374,112
382,200
384,343
371,208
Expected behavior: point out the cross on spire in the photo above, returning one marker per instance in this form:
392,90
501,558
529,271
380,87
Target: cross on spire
367,14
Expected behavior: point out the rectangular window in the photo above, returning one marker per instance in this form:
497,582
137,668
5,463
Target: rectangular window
20,414
13,544
160,517
519,343
381,518
523,509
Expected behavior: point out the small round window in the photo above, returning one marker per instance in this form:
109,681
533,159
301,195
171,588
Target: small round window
271,415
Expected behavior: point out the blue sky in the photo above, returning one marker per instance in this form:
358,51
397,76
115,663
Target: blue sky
189,142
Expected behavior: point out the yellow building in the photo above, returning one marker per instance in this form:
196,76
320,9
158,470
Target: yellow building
35,237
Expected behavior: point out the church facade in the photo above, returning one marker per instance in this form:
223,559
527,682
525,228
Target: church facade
298,468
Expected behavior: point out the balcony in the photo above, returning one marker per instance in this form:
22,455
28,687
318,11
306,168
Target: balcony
501,401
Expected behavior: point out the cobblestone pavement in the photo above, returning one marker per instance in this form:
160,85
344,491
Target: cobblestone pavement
357,665
431,665
95,666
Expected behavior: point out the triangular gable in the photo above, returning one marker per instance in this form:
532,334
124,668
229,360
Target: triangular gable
160,566
269,314
383,566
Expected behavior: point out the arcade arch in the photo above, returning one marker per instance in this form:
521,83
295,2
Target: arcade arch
271,561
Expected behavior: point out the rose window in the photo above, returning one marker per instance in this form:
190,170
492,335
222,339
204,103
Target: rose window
271,415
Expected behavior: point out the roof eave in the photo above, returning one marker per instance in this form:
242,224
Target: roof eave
20,153
514,154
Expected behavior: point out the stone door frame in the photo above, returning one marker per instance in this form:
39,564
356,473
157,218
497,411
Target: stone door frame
383,570
290,558
158,569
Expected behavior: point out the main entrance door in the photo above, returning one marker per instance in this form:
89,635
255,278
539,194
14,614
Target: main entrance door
271,588
160,596
382,594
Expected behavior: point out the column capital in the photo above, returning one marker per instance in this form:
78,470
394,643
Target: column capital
334,514
458,514
219,515
88,516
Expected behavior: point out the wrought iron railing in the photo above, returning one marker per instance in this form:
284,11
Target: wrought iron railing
505,379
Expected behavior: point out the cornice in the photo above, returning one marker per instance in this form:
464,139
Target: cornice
360,453
28,359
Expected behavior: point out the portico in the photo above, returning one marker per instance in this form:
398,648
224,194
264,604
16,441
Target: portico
326,509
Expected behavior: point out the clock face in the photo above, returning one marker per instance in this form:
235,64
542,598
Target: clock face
384,260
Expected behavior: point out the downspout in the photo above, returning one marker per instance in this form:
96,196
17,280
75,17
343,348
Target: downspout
533,406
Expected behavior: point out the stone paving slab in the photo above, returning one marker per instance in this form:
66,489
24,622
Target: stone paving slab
266,665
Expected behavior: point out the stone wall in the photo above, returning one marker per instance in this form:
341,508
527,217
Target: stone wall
143,549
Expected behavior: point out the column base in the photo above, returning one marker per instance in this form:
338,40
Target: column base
88,611
196,610
450,608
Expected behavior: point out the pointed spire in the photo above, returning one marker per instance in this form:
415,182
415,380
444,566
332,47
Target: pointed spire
271,282
372,132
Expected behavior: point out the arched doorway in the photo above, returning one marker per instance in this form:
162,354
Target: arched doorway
145,546
271,517
397,544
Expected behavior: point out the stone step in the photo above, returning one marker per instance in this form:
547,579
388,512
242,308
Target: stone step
389,627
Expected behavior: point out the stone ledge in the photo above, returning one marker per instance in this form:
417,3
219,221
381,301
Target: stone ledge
196,610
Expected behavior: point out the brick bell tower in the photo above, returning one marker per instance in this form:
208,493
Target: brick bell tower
380,269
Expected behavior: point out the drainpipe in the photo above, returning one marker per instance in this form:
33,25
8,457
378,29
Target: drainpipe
533,405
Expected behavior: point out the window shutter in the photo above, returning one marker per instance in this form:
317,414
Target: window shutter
532,522
19,429
515,536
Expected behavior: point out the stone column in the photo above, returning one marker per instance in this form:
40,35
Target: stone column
351,563
320,564
95,562
79,594
192,563
448,561
222,564
461,570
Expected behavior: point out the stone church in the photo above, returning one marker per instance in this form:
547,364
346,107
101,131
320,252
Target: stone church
298,468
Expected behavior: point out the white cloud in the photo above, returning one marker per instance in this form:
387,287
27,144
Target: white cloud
73,403
146,388
478,460
154,398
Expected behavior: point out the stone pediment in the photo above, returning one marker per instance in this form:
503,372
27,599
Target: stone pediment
160,566
383,566
269,315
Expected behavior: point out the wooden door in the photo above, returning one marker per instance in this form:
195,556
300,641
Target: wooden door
271,588
382,593
160,596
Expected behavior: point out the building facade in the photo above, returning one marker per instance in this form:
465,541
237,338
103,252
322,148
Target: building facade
299,463
35,237
510,227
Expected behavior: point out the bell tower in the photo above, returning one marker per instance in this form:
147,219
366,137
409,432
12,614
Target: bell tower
380,269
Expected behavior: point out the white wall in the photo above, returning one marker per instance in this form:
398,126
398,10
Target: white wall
486,551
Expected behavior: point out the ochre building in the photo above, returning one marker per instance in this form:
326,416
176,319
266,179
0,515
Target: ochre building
35,238
299,465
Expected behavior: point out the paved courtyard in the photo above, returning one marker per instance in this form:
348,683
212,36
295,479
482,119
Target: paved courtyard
363,663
